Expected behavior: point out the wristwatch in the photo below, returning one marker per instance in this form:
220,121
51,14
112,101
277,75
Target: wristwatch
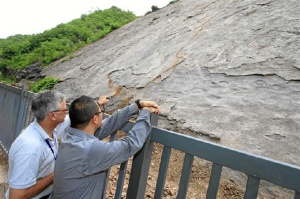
138,103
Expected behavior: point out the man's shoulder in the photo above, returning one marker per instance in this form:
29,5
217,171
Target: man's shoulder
29,134
27,141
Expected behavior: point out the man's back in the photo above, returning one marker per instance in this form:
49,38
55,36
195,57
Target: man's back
73,177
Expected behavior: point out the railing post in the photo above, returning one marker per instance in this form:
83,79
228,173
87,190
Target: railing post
20,112
140,167
297,195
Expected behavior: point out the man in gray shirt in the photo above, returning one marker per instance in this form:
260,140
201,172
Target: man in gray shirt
83,158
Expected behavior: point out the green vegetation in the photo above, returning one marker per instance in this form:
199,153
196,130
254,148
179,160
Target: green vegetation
43,84
19,51
154,8
8,80
174,1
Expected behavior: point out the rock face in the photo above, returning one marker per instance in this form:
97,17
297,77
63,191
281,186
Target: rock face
31,72
226,71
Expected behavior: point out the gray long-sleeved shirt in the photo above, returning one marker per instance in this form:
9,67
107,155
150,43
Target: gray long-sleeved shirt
82,159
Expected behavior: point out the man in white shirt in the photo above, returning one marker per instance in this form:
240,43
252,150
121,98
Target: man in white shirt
32,155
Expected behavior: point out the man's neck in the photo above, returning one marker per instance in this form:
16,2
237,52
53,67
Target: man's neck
47,128
88,129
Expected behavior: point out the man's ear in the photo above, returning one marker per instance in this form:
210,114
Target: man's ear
51,116
94,120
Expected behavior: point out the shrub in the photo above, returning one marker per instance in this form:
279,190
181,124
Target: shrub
46,83
154,8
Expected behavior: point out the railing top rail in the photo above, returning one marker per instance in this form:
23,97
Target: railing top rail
280,173
16,90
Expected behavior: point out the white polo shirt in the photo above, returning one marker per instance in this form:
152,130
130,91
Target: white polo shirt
31,158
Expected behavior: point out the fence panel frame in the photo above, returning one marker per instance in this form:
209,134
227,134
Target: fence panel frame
15,113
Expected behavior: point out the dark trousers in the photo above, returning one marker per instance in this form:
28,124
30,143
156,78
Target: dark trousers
45,197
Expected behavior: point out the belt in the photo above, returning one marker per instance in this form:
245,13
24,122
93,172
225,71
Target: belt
45,197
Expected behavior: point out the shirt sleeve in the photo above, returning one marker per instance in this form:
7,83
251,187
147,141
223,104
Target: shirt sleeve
116,121
103,155
24,171
61,129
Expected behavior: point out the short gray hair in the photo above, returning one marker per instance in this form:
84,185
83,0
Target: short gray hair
45,102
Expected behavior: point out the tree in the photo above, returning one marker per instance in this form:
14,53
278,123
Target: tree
154,8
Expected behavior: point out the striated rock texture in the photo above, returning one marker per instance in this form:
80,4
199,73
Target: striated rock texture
225,70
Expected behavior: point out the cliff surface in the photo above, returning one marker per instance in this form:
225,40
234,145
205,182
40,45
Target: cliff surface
225,70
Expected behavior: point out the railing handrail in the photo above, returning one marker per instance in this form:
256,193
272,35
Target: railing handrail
255,166
287,175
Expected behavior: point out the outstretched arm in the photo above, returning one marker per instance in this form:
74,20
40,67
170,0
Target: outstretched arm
121,117
106,154
116,121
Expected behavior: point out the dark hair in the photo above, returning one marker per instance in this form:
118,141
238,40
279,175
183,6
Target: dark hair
82,110
44,102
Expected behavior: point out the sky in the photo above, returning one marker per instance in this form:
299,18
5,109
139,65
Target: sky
36,16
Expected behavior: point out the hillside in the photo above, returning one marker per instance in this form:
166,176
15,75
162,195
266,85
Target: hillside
225,71
19,53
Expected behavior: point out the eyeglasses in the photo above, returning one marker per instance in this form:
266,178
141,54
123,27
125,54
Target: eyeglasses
101,111
65,110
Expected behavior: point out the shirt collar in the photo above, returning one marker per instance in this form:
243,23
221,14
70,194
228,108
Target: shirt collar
41,131
79,133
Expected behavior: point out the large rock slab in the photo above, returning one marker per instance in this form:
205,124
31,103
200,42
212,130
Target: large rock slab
225,71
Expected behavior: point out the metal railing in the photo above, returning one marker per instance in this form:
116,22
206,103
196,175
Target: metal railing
15,113
257,168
